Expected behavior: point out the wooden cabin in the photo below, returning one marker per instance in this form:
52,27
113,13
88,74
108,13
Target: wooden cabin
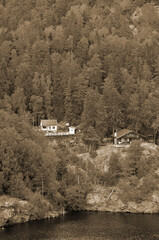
126,136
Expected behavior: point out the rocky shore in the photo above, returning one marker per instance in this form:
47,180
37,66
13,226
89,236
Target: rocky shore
14,210
107,199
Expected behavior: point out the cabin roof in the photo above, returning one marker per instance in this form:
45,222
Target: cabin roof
123,132
49,122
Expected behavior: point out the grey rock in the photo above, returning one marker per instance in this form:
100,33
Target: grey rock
13,210
97,201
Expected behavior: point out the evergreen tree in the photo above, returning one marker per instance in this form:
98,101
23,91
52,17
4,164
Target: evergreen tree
91,138
36,104
90,111
131,165
18,100
113,102
101,125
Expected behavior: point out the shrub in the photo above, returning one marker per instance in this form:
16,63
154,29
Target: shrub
41,206
75,198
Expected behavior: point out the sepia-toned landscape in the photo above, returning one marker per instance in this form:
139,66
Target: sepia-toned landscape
79,116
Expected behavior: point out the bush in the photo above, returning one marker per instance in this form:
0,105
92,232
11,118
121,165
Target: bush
129,191
16,187
75,198
41,206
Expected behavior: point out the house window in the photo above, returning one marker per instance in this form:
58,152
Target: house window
44,127
53,128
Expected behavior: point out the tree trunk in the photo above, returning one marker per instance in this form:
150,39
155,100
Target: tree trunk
155,136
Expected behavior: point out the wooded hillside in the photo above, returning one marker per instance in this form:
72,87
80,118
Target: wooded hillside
91,62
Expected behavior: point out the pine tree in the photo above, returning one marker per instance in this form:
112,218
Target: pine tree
90,112
48,103
4,79
101,124
134,112
18,101
113,102
132,162
36,103
91,138
93,72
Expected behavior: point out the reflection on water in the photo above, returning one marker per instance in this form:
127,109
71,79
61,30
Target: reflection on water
88,225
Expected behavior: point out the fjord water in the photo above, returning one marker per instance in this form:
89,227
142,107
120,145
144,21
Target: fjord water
87,225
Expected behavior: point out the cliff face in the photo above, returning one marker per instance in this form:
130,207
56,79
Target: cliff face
133,193
13,210
107,199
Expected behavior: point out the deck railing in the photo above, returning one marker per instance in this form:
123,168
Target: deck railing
57,134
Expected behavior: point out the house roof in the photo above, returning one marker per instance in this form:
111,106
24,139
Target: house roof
123,132
72,127
49,122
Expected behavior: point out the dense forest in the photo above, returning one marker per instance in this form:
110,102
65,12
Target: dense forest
92,63
33,170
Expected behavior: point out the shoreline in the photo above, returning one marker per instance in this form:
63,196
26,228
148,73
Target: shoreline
2,227
98,200
18,216
14,211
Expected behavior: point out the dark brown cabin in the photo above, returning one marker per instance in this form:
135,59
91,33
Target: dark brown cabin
126,136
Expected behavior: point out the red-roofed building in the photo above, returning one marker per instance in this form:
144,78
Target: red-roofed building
126,136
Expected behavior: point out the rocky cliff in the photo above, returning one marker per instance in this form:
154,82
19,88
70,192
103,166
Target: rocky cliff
14,210
107,199
131,194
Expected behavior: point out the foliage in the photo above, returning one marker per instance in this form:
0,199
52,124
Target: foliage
91,63
30,169
131,165
138,179
94,63
133,171
41,206
76,197
114,173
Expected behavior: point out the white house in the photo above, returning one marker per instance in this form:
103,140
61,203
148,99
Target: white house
72,130
49,125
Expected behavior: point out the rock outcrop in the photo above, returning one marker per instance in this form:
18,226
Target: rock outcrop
14,210
101,199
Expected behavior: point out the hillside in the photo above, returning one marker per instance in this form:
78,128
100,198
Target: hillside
93,63
101,161
116,180
37,179
122,184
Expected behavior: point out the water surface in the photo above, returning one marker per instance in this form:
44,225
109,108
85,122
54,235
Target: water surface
86,226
